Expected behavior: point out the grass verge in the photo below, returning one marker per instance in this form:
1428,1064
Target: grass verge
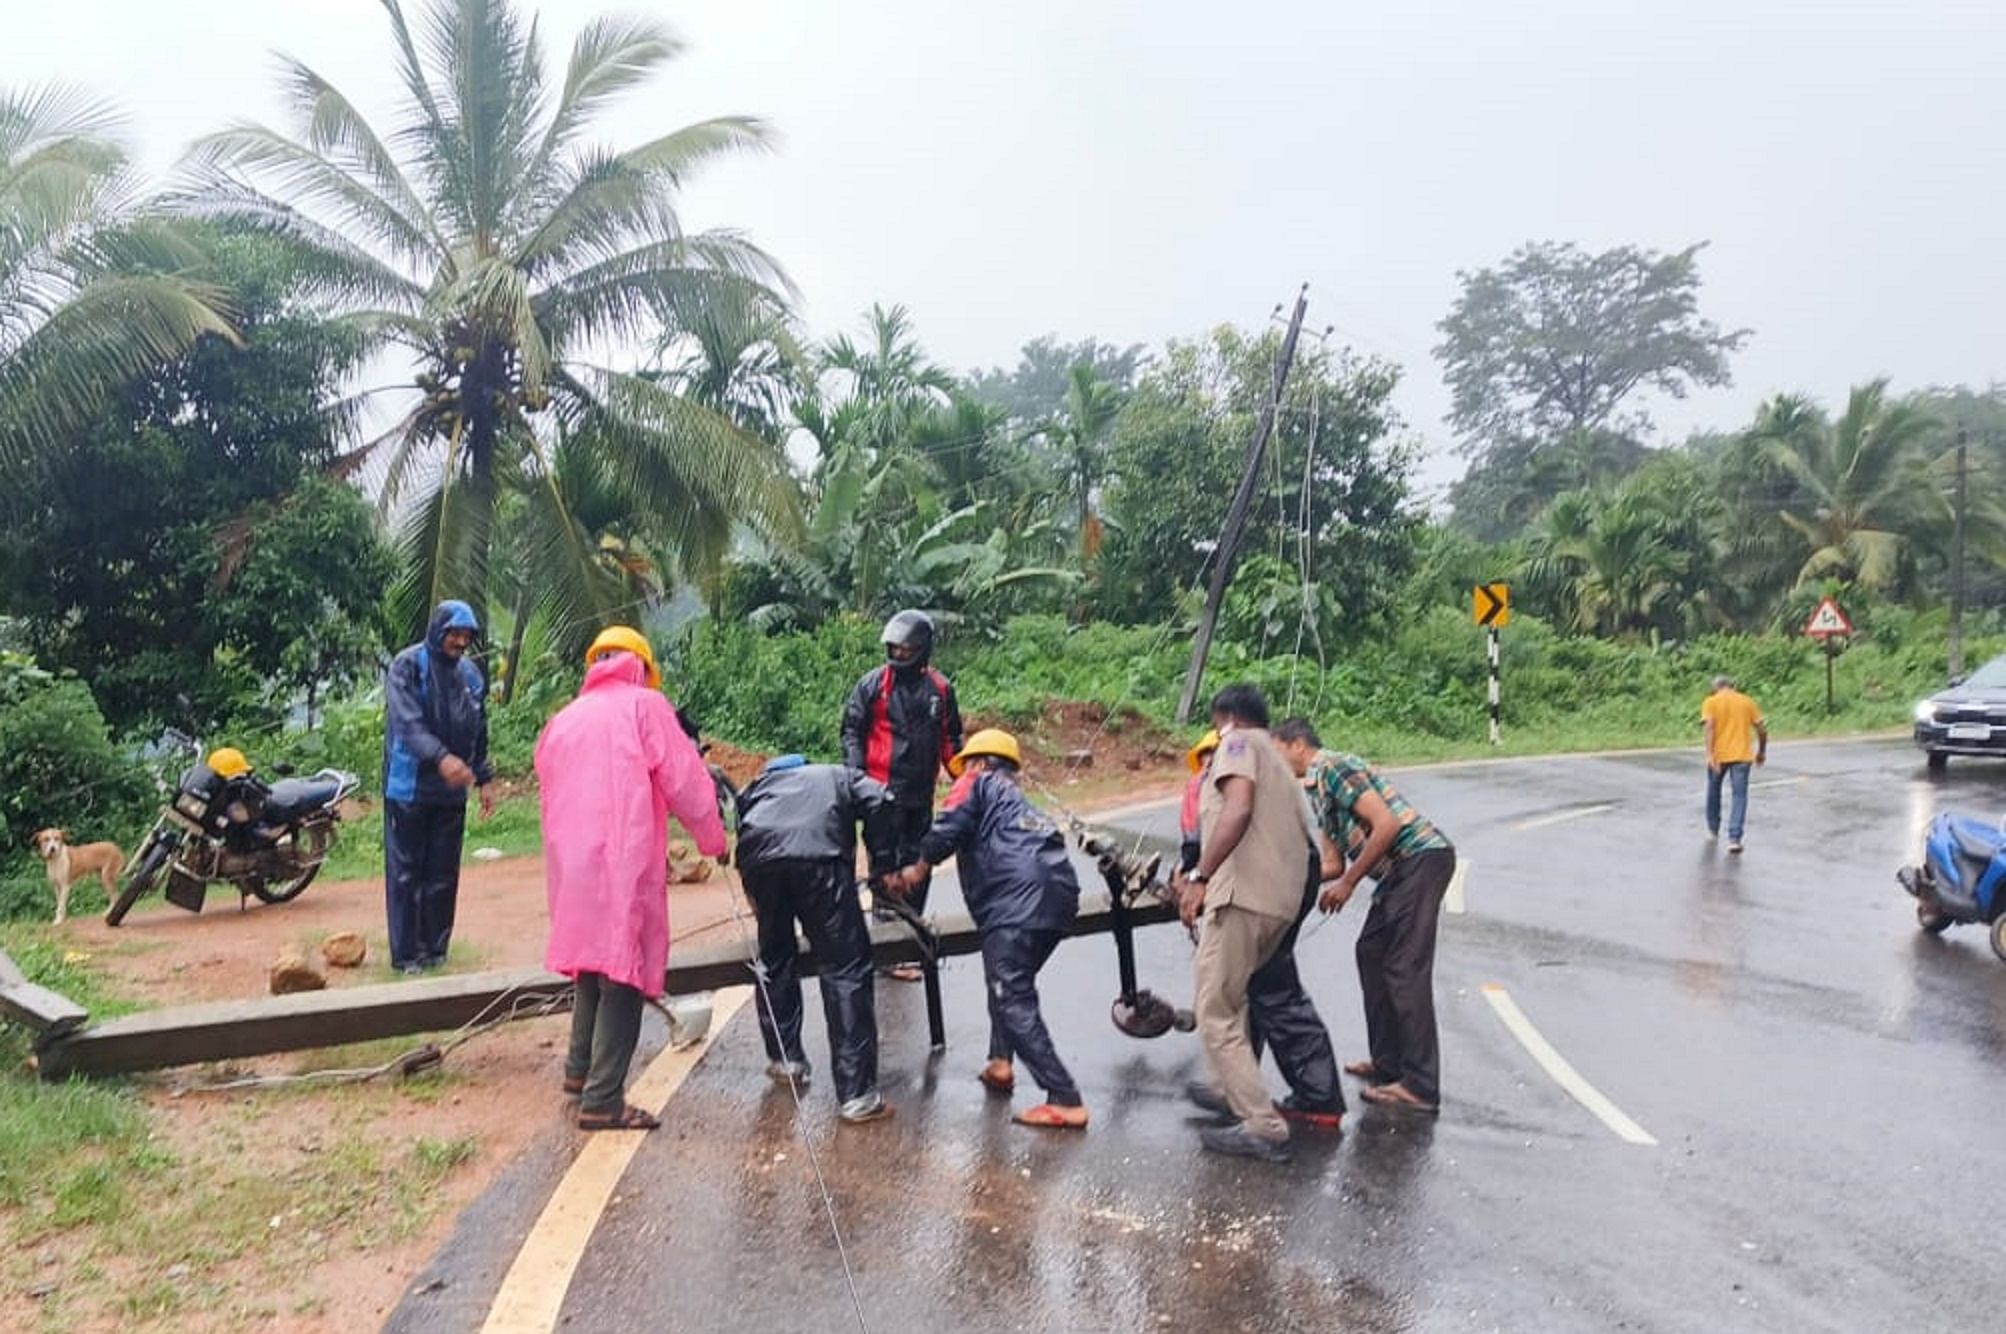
117,1214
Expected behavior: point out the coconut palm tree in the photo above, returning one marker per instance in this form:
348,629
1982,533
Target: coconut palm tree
1863,480
492,242
92,292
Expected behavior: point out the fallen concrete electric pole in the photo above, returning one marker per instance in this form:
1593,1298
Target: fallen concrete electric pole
232,1030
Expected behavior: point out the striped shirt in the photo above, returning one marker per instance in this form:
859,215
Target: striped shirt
1338,780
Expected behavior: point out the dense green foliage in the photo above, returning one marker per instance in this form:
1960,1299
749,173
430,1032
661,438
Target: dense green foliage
1416,694
183,543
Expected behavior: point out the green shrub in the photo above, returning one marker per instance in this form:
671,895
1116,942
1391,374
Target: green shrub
58,765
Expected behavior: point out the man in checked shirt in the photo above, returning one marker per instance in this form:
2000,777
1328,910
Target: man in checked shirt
1370,824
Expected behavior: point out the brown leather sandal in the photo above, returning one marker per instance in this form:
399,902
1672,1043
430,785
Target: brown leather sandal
1397,1095
628,1117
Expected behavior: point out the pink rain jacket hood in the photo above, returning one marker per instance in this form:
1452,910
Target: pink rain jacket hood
613,765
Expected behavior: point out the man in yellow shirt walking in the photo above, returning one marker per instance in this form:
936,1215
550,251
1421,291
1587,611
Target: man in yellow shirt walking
1737,737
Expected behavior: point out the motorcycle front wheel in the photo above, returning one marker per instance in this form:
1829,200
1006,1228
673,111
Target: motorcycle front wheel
146,869
1999,937
286,890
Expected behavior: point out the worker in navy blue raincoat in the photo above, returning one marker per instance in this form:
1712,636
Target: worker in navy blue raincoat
797,854
1020,888
435,749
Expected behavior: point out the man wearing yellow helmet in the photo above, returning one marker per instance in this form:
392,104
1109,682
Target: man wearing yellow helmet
1198,761
1019,886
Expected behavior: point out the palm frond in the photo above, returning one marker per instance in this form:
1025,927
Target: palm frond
109,332
609,56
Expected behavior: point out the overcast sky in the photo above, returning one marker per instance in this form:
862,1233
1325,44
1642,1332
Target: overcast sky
1147,169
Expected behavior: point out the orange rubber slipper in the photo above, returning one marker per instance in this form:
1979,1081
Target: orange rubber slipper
1051,1116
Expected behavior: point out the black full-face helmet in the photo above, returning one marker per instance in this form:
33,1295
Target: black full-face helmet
909,640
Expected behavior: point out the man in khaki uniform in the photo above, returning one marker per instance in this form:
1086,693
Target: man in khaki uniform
1249,885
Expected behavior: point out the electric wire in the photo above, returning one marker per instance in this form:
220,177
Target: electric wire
757,965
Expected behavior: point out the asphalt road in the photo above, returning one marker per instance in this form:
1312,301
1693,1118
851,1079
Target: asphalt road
1824,1086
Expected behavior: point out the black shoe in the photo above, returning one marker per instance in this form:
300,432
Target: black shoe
1241,1142
1208,1099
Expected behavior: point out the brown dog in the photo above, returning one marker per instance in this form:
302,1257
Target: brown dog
67,865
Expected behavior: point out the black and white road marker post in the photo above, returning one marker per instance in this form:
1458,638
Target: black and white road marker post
1490,607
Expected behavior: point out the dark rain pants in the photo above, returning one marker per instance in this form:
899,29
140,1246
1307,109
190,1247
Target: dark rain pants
1282,1017
421,878
1396,970
1011,958
822,897
605,1027
904,827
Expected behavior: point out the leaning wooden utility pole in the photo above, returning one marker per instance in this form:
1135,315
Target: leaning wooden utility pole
1236,516
1957,565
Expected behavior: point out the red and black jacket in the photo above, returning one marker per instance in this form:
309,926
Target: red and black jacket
900,727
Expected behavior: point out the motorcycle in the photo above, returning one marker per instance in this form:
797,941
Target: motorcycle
225,824
1962,877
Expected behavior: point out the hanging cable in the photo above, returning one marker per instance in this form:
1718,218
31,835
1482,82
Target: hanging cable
758,967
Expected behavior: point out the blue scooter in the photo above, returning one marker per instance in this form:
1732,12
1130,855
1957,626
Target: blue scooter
1962,877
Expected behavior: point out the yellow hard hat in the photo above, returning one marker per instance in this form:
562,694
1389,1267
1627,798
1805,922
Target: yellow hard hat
1194,760
990,741
626,639
228,762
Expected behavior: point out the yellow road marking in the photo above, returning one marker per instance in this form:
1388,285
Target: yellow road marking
1560,817
1563,1074
1453,901
532,1294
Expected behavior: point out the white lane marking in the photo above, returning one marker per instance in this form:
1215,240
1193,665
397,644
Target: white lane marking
532,1294
1563,1074
1560,817
1453,901
1780,782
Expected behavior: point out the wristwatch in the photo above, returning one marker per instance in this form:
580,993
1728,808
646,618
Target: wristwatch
1197,878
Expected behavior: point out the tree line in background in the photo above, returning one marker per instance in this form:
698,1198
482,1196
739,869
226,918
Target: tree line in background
252,426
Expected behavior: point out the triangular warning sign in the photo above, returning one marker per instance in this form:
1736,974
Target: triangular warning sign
1828,620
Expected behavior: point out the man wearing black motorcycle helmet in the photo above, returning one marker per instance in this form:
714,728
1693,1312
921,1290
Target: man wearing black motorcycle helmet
901,726
435,748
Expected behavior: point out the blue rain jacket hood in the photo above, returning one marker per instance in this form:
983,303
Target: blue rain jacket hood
434,707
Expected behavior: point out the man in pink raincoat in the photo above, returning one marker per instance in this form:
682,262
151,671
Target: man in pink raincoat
613,765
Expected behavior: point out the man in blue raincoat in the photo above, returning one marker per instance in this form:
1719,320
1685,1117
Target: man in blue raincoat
435,747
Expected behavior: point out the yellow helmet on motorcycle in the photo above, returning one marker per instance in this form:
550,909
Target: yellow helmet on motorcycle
625,639
1194,759
228,762
990,743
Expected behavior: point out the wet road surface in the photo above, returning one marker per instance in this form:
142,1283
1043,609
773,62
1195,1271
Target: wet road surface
1824,1083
